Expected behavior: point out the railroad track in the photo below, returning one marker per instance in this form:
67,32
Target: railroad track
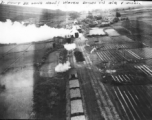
118,46
127,102
119,56
107,109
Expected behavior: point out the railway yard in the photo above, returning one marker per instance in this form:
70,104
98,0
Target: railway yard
114,82
119,76
115,77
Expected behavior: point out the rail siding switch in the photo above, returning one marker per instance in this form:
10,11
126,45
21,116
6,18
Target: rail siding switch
74,83
76,106
81,117
75,93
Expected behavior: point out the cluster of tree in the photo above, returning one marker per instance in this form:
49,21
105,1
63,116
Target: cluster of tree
118,14
90,15
98,17
74,15
63,56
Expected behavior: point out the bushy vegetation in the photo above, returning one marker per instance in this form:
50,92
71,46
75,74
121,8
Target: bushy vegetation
74,15
63,56
2,87
98,17
49,99
90,15
118,14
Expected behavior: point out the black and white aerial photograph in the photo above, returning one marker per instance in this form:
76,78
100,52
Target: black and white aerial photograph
76,60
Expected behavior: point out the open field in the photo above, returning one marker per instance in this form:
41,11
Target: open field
138,27
21,77
39,15
20,55
17,70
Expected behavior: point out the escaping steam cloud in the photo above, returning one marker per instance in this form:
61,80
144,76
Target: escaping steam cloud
16,32
63,67
69,47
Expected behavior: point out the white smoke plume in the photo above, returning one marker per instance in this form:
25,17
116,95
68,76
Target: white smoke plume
63,67
16,32
70,47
